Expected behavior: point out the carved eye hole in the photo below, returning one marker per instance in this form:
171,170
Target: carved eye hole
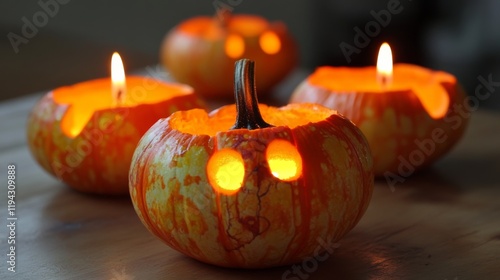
234,46
285,162
270,42
226,171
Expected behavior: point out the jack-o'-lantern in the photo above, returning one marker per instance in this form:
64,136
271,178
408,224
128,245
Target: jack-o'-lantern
85,134
201,52
410,115
255,194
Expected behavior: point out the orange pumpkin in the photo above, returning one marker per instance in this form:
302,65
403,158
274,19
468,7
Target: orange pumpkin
408,125
201,52
253,194
77,134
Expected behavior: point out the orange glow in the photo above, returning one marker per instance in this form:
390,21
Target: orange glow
235,46
226,171
285,162
247,25
426,84
434,99
384,65
292,115
270,42
210,27
118,85
84,99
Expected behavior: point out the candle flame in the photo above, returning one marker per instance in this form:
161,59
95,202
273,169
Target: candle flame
118,85
384,65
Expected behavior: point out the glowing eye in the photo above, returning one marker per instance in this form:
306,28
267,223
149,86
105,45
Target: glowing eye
234,46
285,162
270,42
226,171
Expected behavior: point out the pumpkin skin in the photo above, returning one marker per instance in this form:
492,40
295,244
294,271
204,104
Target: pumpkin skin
268,221
403,135
194,53
97,159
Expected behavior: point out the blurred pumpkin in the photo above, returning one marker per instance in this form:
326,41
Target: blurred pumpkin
201,52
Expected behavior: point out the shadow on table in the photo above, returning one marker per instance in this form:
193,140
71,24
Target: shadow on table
355,258
473,172
448,179
68,204
428,184
109,242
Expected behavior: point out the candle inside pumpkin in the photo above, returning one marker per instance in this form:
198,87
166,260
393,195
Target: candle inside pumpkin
85,134
398,107
85,98
426,84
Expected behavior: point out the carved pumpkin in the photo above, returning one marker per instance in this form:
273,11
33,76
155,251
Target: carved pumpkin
78,134
408,124
251,194
201,52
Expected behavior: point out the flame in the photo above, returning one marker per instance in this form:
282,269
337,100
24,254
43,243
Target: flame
433,96
118,85
384,65
234,46
226,171
285,162
270,42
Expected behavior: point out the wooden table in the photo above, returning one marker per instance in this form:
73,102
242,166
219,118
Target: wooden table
442,223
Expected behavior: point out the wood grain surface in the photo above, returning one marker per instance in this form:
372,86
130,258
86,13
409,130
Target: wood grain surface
441,223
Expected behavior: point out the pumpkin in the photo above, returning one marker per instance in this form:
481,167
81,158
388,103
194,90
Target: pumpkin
408,125
79,135
253,194
201,52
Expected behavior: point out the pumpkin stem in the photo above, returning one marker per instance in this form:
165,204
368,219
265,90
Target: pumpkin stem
247,106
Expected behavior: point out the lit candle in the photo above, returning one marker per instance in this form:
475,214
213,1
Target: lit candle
85,134
384,65
405,111
118,84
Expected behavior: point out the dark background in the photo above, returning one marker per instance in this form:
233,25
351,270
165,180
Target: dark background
460,37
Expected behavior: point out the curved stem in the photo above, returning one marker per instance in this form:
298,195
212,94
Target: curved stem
248,113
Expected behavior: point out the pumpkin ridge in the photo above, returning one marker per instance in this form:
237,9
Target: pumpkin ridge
302,209
148,158
365,196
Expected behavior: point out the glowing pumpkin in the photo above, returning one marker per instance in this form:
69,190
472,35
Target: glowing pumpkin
251,194
408,114
201,52
83,137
